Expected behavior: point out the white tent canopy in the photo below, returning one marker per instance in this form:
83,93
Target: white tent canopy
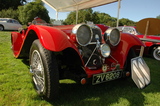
73,5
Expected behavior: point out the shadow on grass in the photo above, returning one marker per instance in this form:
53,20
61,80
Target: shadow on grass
26,62
110,92
123,92
103,94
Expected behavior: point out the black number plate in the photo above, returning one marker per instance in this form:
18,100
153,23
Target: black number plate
104,77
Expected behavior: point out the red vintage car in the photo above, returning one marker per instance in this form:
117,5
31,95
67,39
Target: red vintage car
152,48
86,53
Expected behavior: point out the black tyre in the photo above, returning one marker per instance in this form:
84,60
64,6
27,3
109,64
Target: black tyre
1,28
44,67
127,67
156,53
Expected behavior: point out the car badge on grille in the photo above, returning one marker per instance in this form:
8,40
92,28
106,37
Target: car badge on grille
104,67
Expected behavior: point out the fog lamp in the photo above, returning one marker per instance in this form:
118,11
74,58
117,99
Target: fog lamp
105,50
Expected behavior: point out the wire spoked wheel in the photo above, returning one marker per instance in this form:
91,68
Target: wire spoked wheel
38,71
44,67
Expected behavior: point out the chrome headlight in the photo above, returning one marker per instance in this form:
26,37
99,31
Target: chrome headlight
113,36
83,34
105,50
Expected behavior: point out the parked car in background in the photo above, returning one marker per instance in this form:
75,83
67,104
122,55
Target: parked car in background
152,48
85,53
9,24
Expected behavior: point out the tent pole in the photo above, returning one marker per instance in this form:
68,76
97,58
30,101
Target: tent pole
146,31
56,15
77,15
119,6
76,11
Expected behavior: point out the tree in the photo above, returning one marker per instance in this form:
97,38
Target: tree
112,22
70,19
103,18
88,15
6,4
31,10
83,16
96,18
52,20
158,17
9,13
127,22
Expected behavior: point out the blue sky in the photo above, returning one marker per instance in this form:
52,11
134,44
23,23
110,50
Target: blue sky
131,9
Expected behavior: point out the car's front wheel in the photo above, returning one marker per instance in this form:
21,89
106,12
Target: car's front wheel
43,65
156,53
127,66
1,28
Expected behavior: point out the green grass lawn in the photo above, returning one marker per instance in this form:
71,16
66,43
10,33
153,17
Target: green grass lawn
16,88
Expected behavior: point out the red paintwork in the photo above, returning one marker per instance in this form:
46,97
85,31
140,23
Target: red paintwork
58,38
17,40
102,27
150,37
50,37
119,52
149,45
